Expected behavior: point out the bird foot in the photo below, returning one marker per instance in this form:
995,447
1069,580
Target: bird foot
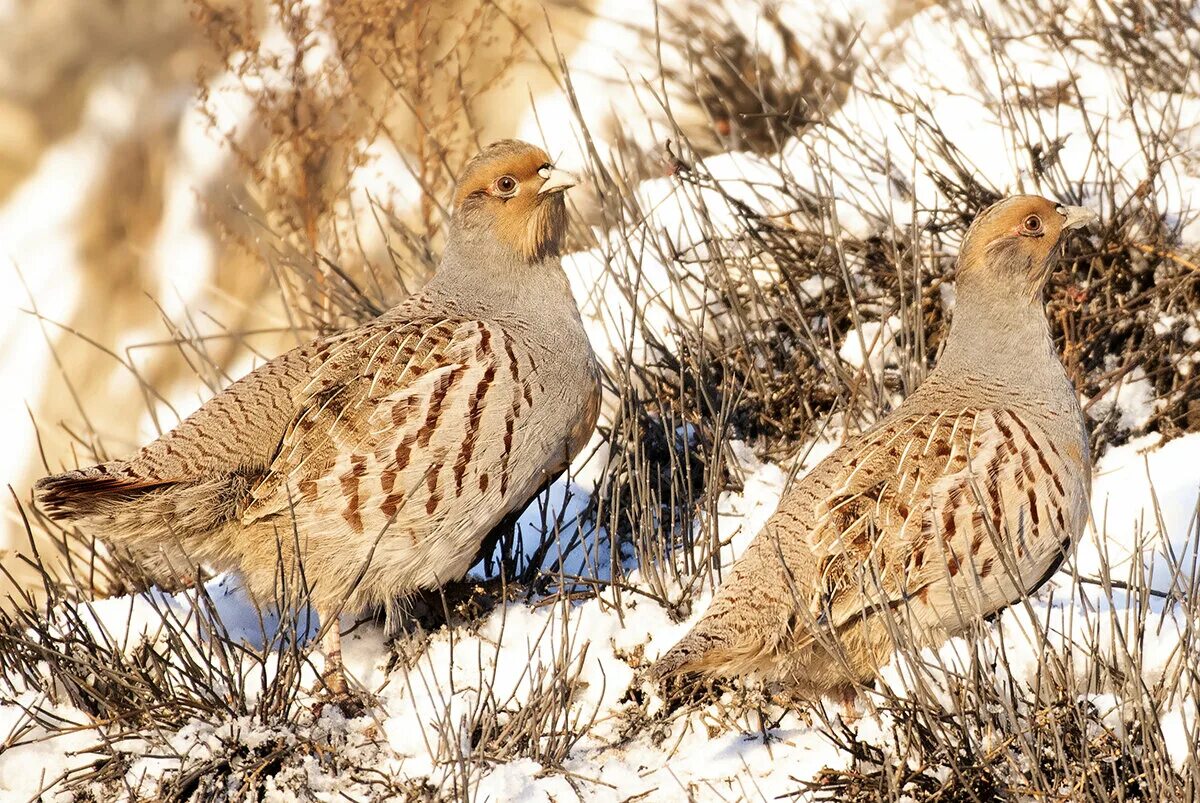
333,687
350,703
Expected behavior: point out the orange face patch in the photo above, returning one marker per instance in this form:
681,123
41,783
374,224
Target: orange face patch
517,160
1026,229
501,188
1023,215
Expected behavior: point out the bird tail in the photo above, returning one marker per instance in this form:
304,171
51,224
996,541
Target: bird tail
687,657
715,651
167,525
78,495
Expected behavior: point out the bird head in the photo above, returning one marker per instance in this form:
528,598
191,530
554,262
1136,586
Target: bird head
512,194
1013,244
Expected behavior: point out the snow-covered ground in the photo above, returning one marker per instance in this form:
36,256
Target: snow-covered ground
618,741
461,674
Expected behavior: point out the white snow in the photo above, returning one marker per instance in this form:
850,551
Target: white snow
460,675
1144,508
1132,398
870,344
429,713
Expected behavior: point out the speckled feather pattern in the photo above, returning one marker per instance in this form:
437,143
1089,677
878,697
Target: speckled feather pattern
381,456
957,504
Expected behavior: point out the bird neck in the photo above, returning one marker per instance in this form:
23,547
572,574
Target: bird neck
476,270
997,336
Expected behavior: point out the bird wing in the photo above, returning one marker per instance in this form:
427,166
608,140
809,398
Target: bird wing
914,502
360,439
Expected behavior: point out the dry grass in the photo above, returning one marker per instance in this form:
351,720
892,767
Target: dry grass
328,90
736,347
968,724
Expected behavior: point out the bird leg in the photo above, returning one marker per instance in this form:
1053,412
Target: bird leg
335,674
847,699
352,703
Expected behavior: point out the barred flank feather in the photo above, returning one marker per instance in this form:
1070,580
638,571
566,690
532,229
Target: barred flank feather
960,502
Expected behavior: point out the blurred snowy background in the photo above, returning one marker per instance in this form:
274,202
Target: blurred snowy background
763,253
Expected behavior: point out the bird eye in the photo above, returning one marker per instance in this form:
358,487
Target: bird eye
505,185
1032,225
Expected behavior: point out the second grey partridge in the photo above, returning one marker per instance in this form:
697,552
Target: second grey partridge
380,457
960,502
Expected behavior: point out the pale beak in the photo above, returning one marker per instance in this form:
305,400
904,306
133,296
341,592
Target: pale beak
558,181
1077,216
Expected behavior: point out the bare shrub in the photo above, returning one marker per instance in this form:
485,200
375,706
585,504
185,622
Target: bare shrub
973,721
734,338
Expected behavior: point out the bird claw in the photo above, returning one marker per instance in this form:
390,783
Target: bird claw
351,704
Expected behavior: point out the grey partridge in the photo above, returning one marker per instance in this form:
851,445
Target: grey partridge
961,501
380,457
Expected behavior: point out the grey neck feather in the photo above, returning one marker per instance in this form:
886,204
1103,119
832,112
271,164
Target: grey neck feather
475,268
999,333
